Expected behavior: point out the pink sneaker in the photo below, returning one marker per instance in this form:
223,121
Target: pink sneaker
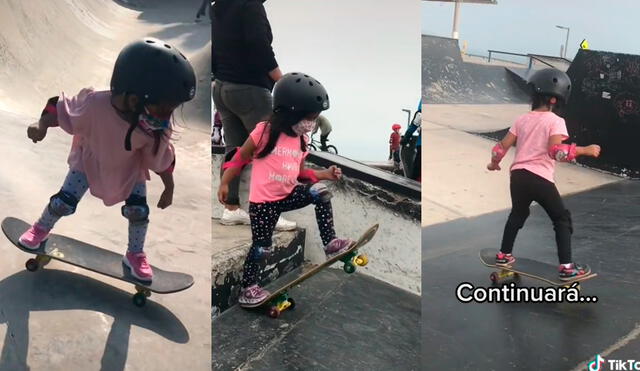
337,246
139,266
33,237
252,296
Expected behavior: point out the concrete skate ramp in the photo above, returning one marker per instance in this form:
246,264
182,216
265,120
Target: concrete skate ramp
447,79
52,46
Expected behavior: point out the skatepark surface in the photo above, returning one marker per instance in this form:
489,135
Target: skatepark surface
340,322
464,208
62,317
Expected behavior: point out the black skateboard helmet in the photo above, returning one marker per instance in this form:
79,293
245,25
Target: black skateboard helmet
297,92
154,71
550,81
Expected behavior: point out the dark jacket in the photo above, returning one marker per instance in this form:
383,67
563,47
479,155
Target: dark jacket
241,43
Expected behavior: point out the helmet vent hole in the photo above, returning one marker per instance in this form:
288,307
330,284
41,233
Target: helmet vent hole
167,46
294,73
183,57
298,80
307,76
150,41
310,83
555,80
319,98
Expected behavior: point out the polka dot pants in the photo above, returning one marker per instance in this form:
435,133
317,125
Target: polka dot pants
264,217
76,184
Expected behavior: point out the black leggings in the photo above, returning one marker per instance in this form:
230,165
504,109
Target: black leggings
527,187
264,217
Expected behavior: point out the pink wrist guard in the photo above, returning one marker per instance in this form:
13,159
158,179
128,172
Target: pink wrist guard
563,152
497,153
308,175
236,161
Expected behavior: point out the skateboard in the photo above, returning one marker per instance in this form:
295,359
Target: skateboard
526,267
280,300
95,259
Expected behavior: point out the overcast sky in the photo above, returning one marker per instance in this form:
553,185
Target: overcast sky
529,26
366,53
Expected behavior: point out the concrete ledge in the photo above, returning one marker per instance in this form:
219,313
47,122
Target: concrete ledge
231,246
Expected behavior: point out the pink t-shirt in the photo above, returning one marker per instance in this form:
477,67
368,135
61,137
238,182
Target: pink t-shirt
274,176
533,130
98,149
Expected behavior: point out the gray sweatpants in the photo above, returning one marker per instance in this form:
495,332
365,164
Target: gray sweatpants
241,107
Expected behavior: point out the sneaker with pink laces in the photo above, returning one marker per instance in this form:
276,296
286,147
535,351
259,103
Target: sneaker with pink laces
33,237
337,246
252,296
139,265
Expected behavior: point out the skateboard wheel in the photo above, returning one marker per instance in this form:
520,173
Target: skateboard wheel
31,265
349,268
43,260
494,277
361,260
274,312
139,300
292,303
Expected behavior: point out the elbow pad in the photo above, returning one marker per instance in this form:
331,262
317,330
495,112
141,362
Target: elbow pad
308,175
563,152
236,160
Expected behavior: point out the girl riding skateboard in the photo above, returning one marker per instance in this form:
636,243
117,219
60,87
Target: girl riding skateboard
539,135
118,136
277,148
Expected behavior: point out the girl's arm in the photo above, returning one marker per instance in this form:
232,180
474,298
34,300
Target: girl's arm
233,167
569,152
500,150
166,198
332,173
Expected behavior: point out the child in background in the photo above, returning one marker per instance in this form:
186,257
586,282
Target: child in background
394,146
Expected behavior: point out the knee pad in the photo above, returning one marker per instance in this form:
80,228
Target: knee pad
564,221
259,252
62,204
320,192
136,209
517,220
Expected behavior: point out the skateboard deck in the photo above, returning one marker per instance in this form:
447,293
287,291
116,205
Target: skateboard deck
95,259
527,267
279,300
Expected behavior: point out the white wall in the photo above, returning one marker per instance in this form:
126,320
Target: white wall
366,53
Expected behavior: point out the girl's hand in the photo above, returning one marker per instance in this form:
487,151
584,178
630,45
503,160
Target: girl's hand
166,199
36,133
223,191
493,166
333,173
592,150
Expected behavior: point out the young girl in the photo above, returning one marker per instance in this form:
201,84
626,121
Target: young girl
277,149
118,136
539,135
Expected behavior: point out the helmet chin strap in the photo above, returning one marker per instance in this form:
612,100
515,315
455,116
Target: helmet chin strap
133,121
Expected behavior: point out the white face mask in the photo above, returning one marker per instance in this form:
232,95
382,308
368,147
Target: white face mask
304,126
